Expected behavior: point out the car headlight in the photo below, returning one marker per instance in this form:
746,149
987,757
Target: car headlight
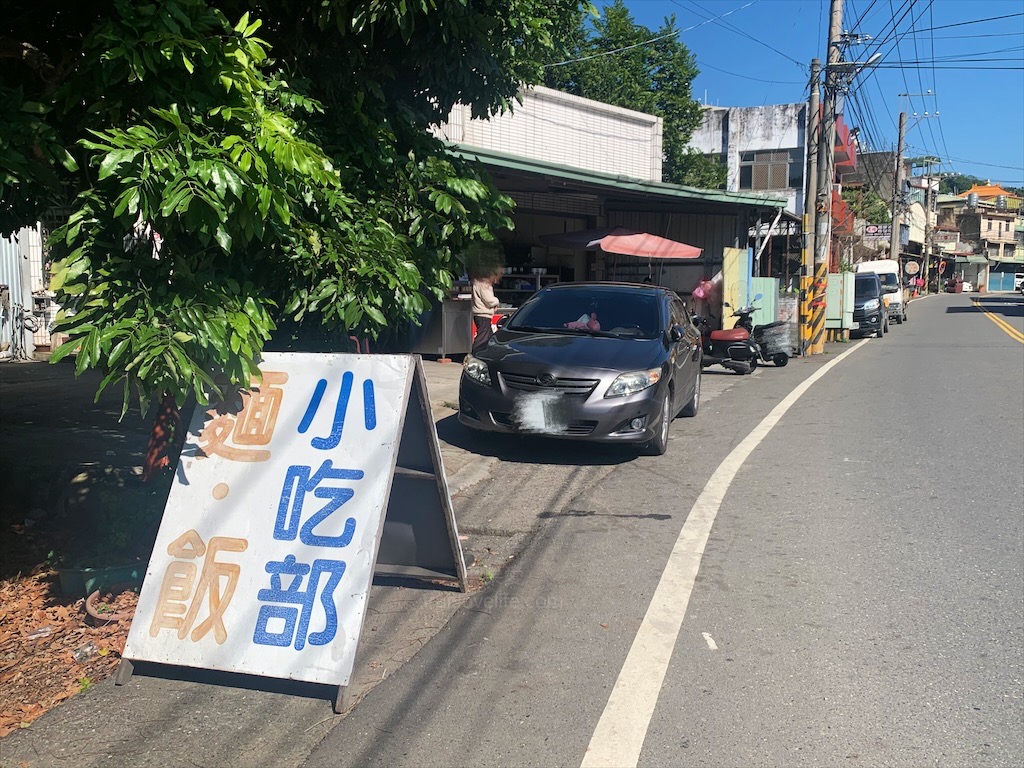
633,382
477,370
871,304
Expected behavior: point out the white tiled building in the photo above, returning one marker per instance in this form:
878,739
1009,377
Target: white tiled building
559,128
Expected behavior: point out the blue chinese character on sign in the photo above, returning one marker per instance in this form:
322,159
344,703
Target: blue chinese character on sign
294,605
298,482
334,439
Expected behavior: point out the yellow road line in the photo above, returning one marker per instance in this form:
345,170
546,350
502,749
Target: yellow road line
1008,329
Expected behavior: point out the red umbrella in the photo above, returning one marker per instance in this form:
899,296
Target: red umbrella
629,242
651,246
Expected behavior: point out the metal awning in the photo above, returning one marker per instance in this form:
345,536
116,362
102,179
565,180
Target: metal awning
971,258
620,183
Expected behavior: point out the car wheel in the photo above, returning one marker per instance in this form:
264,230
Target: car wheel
691,408
659,444
899,319
781,359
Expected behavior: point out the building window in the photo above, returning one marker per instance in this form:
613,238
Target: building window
772,169
990,225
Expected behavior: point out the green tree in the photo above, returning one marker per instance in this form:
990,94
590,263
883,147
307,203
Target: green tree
226,165
866,204
958,183
615,60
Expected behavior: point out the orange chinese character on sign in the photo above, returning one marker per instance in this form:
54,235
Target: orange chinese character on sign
253,425
174,609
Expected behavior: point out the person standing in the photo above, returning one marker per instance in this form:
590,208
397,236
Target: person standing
484,304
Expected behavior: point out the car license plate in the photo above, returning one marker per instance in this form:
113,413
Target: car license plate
543,412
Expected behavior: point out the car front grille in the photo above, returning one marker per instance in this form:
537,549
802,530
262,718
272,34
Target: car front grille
575,428
574,387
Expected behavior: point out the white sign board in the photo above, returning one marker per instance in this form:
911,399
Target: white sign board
266,551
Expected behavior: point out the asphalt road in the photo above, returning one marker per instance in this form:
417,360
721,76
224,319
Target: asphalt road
859,600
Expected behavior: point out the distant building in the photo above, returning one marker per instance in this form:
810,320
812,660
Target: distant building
987,217
765,151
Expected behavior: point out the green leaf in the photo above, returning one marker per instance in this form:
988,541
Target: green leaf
223,239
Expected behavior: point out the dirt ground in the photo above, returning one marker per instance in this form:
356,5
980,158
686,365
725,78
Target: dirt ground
50,648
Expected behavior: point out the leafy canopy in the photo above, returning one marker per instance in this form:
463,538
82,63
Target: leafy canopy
867,204
613,59
219,166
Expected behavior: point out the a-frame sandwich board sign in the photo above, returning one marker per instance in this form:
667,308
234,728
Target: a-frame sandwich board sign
285,502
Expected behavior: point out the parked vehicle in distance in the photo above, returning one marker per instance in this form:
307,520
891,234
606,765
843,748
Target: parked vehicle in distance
869,315
606,362
1018,282
888,271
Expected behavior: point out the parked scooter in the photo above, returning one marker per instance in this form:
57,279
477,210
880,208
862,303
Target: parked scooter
772,339
732,349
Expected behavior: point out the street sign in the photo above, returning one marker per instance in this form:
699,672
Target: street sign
911,267
878,232
284,501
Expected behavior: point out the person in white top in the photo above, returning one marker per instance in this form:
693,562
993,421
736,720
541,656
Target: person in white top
484,304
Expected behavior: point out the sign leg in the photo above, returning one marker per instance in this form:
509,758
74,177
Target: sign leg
342,699
124,672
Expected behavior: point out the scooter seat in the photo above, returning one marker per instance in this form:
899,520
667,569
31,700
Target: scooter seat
734,334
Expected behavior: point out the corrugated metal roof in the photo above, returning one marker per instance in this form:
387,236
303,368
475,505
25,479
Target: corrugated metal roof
625,183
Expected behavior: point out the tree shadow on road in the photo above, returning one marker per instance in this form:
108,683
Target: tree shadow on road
1007,306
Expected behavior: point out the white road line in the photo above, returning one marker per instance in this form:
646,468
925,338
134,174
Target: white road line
621,731
710,641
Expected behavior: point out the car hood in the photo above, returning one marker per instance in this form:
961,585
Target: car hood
572,350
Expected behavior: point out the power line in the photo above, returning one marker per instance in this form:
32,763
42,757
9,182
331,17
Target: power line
732,28
978,162
748,77
935,83
675,33
926,65
973,21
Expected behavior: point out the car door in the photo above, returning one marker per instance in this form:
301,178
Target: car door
687,349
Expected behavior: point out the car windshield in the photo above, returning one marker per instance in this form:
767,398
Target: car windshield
865,288
591,309
889,279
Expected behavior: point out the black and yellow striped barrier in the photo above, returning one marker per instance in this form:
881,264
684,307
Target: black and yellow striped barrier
819,289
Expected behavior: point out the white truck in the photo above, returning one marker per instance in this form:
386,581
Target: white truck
888,271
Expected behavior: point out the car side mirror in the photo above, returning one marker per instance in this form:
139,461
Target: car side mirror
503,320
676,334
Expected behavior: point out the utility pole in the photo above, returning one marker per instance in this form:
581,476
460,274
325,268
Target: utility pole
826,177
928,231
897,191
810,203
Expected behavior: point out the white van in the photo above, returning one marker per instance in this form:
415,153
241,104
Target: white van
888,272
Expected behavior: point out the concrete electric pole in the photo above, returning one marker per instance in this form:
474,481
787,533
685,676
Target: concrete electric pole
810,203
826,176
897,191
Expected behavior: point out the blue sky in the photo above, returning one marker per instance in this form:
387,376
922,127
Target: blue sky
759,51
